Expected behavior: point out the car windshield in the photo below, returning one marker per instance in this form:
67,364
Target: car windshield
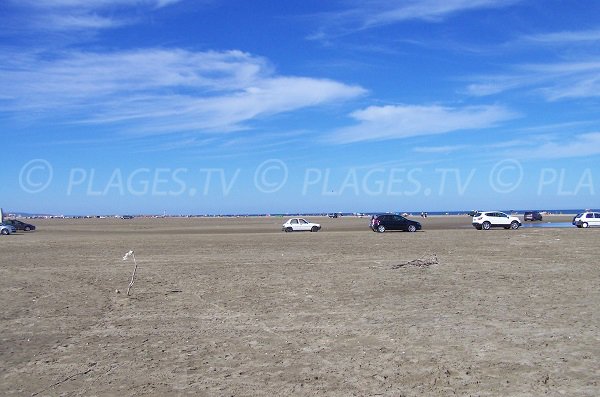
477,214
303,221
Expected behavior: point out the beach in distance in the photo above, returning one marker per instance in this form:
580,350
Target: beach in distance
257,224
235,306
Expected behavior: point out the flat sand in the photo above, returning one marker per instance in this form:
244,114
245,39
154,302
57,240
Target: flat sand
237,307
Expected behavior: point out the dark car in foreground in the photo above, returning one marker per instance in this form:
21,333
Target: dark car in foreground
532,216
19,225
381,223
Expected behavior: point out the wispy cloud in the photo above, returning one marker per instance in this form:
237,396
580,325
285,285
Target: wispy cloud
581,145
554,130
565,37
386,12
159,90
553,81
397,122
496,84
547,146
76,22
570,80
440,149
375,13
79,15
92,4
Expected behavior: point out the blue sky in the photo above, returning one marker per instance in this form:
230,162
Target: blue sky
222,106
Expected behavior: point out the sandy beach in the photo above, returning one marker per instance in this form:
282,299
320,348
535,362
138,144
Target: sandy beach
236,307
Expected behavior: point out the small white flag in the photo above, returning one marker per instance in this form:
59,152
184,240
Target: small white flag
127,255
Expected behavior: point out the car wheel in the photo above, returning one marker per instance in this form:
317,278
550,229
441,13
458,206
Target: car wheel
27,228
579,226
412,228
486,225
514,225
4,231
288,229
381,228
584,225
314,229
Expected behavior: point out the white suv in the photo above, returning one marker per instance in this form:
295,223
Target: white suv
587,219
488,220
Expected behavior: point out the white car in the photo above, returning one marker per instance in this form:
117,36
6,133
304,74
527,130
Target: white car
587,219
300,225
490,219
5,228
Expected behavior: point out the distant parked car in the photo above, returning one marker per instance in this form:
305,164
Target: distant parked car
488,220
19,225
587,219
5,229
381,223
532,216
300,225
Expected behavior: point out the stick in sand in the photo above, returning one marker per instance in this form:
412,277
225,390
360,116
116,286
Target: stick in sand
127,255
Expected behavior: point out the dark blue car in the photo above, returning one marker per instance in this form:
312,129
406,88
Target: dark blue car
381,223
19,225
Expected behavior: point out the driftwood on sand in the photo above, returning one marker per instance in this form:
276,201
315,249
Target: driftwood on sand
423,261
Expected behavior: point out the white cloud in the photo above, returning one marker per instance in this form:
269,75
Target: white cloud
533,147
553,81
565,68
492,85
569,80
79,15
76,22
582,145
440,149
157,90
374,13
565,37
431,10
92,4
397,122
